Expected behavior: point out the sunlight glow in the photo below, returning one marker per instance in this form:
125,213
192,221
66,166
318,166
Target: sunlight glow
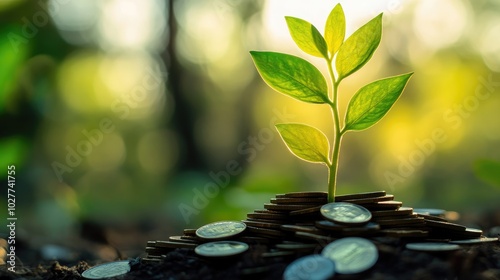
78,84
131,23
316,12
206,35
120,73
488,42
112,24
75,19
438,29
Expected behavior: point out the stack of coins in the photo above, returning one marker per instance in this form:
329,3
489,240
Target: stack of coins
157,249
294,225
278,218
211,240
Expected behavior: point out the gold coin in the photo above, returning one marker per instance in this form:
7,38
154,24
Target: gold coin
296,228
402,211
302,194
343,197
286,207
444,225
173,244
190,231
307,211
369,200
267,216
401,222
262,224
300,200
434,218
266,231
384,205
183,239
314,237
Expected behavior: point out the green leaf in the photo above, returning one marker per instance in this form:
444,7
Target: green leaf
335,29
307,37
373,101
292,76
488,171
359,48
306,142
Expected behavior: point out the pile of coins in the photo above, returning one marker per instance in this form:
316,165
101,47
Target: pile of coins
337,237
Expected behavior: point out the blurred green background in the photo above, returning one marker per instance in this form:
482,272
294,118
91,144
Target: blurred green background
150,113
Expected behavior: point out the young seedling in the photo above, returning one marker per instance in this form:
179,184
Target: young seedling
299,79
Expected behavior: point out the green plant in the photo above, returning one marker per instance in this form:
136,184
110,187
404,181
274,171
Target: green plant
299,79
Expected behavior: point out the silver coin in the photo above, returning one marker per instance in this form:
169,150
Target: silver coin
312,267
221,248
107,270
351,255
476,240
346,213
430,211
432,247
220,230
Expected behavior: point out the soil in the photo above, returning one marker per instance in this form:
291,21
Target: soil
395,262
481,261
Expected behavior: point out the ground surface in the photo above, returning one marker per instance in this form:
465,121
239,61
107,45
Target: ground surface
395,262
480,261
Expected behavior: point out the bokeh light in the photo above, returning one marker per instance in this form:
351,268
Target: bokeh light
122,110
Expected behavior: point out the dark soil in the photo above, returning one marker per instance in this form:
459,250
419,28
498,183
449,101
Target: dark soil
395,262
480,261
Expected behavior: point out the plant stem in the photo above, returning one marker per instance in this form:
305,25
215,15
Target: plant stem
337,137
